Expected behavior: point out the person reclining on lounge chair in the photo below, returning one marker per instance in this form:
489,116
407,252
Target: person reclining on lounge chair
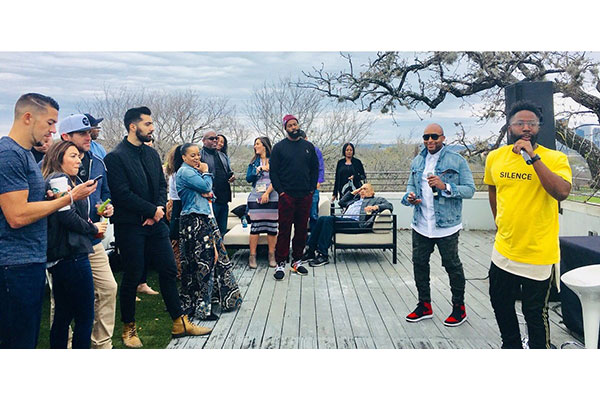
360,207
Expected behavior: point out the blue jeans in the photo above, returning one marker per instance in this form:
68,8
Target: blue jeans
314,210
321,235
221,211
73,290
21,297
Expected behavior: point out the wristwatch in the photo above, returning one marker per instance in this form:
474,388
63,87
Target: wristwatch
534,159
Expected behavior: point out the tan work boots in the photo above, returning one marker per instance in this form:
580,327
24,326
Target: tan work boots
181,327
130,337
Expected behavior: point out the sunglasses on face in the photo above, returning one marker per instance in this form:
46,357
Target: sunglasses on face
434,136
211,138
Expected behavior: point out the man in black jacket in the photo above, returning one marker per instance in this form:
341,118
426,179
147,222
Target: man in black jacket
219,166
361,207
139,193
294,169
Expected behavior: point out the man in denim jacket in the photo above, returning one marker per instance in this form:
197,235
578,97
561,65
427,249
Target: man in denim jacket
439,180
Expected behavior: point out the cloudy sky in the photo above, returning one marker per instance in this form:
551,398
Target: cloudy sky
236,46
71,77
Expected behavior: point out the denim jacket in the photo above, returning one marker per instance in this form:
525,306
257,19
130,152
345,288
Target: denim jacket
452,169
190,186
251,174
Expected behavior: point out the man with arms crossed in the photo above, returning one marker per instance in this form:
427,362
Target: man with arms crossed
526,182
23,228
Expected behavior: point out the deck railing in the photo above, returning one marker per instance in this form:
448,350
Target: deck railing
395,181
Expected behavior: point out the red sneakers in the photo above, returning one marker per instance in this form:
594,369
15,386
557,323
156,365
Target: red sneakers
423,311
458,315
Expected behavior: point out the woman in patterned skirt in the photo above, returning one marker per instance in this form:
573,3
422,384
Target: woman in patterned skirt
204,262
262,201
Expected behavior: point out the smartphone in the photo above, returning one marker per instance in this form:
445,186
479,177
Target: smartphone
96,179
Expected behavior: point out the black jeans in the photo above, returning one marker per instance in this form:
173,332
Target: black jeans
504,287
141,244
221,211
422,247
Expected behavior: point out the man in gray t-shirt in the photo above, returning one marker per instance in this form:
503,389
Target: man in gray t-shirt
23,232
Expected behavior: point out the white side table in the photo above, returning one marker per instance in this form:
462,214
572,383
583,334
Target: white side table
585,282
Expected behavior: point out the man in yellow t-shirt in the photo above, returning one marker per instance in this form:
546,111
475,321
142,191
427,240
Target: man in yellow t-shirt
526,182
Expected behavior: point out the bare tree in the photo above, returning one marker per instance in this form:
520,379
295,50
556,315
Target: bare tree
340,125
391,80
272,101
236,133
179,116
326,123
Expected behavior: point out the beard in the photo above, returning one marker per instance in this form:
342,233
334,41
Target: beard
295,134
532,138
141,137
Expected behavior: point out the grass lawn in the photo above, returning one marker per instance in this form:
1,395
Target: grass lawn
153,322
595,200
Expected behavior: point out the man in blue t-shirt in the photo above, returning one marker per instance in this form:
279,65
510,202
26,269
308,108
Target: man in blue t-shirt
23,212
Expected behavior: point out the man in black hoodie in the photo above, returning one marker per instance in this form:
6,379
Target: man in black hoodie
139,193
294,169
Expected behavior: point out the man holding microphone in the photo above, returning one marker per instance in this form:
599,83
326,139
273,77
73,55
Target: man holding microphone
526,182
439,180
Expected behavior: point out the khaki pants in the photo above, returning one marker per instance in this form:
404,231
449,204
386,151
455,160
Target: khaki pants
105,293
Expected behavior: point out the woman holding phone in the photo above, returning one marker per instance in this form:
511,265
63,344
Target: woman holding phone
206,272
69,244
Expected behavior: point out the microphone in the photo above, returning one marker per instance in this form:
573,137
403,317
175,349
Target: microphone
526,156
433,188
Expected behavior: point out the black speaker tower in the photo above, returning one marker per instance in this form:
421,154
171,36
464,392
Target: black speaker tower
540,93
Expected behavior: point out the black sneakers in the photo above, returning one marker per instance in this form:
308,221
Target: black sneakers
308,255
458,315
279,271
319,260
423,311
298,268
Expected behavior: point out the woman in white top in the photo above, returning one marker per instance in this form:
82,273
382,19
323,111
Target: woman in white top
172,165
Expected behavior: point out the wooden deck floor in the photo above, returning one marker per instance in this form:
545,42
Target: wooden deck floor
361,302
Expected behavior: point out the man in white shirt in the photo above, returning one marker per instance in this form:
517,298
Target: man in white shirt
439,180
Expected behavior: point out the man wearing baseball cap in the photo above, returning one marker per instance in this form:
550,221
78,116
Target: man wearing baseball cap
294,169
78,128
96,148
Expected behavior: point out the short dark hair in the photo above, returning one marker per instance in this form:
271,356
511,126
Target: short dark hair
134,115
38,101
525,105
344,149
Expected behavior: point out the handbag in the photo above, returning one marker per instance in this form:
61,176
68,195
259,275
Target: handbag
348,187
